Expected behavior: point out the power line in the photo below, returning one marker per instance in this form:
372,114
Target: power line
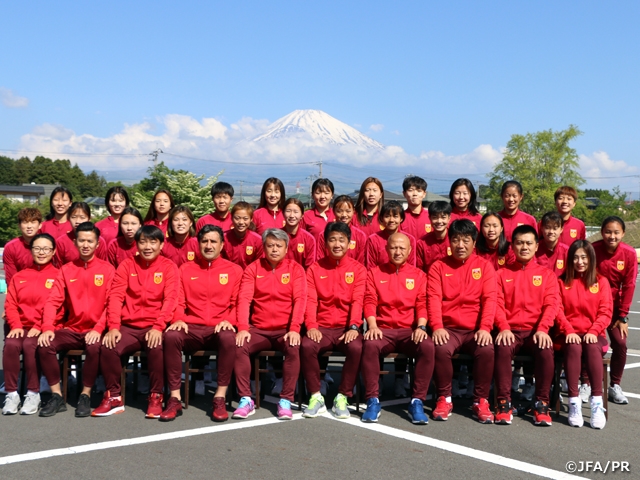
81,154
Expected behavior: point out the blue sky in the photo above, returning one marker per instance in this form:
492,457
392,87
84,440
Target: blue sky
442,77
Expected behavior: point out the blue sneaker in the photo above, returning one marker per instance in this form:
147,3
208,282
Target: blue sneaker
416,412
372,413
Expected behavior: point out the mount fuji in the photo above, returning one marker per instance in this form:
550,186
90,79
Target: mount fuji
317,125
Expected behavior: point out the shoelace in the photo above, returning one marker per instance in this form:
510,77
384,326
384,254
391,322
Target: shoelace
244,403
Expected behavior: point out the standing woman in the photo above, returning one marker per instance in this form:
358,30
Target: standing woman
618,263
57,220
66,250
241,244
315,220
585,314
368,205
511,214
391,218
462,196
158,213
124,246
492,244
270,211
302,245
181,245
344,211
116,200
27,294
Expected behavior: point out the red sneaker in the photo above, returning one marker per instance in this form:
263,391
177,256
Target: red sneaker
109,406
173,410
482,412
504,414
154,409
443,409
541,414
219,409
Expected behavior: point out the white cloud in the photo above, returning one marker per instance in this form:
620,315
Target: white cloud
396,132
599,164
10,100
377,127
481,159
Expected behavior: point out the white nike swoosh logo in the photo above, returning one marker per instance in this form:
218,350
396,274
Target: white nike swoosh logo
259,276
448,274
384,281
324,276
73,279
509,280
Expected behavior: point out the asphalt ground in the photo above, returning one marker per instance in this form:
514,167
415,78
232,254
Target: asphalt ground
192,446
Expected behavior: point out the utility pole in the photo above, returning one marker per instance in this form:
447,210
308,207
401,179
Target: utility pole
320,164
241,197
155,154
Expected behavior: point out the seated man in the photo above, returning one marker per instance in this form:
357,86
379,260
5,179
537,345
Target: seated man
81,288
462,305
143,298
335,294
396,312
274,290
204,319
528,301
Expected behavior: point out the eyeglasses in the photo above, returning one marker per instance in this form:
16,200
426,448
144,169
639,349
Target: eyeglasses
45,250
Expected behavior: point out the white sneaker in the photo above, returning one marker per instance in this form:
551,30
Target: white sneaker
277,387
616,395
44,385
100,386
527,392
11,404
455,389
143,384
31,404
398,389
328,378
598,420
575,415
323,387
585,392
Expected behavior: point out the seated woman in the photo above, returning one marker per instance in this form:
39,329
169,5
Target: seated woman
124,245
66,250
181,245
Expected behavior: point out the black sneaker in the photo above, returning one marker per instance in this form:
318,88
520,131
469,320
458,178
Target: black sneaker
54,405
84,406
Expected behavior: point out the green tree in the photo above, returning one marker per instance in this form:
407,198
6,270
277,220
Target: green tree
541,162
8,171
9,219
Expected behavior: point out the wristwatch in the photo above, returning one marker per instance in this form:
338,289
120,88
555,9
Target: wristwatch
423,328
354,327
623,319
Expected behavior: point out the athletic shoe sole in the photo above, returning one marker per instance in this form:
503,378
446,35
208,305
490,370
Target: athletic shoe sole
542,423
483,422
372,420
151,416
241,417
503,421
418,422
33,412
440,418
178,413
83,415
611,399
341,417
113,411
61,409
317,414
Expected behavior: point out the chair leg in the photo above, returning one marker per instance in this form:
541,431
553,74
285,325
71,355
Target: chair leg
65,376
256,373
187,367
556,386
605,386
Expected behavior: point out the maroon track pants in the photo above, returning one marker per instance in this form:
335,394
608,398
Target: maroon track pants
618,356
309,351
587,354
200,337
397,340
132,340
268,340
543,365
69,340
13,347
462,341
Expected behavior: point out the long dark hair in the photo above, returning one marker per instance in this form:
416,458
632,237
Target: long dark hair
263,194
481,243
116,190
361,213
129,211
590,277
187,211
464,182
151,213
57,190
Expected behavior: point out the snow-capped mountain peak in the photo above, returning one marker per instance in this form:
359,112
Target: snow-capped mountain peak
318,125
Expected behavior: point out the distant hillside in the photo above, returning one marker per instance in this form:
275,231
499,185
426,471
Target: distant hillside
631,237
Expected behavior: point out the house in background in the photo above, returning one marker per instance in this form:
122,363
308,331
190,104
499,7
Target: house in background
23,193
98,208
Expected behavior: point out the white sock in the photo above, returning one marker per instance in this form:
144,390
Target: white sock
595,400
414,399
574,399
32,392
12,394
448,399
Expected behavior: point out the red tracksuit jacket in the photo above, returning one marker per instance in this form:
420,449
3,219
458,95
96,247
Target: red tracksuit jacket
208,292
16,257
54,228
28,292
242,252
66,250
180,253
370,228
511,222
214,219
527,298
302,248
335,293
82,288
119,250
357,246
108,229
430,248
572,230
462,295
377,253
585,310
143,294
162,225
276,297
263,219
397,297
621,269
466,215
555,260
497,261
314,223
416,225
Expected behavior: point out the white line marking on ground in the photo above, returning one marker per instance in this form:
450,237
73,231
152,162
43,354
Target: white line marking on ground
632,395
25,457
459,449
632,365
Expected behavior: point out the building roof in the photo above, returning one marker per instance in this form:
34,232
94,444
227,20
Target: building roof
25,189
95,201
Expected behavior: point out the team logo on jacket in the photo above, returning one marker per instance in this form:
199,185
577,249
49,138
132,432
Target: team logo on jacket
352,245
98,280
300,247
249,250
537,280
285,278
410,283
427,228
191,256
224,278
573,233
501,261
595,288
476,273
157,278
49,283
559,264
620,265
449,251
348,277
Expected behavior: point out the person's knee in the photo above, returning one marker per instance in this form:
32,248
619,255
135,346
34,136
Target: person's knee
93,349
291,350
174,338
